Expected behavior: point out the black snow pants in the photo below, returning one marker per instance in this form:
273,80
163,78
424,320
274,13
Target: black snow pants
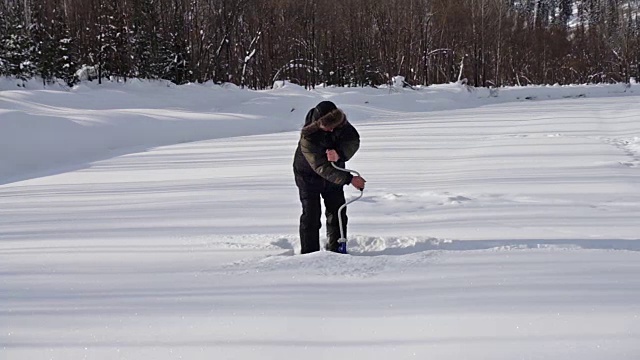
333,196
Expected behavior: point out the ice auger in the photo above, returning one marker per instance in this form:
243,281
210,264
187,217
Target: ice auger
342,242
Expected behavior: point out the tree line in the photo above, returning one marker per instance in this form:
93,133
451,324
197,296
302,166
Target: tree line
336,42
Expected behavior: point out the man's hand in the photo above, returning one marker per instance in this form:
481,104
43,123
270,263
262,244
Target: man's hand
332,155
358,182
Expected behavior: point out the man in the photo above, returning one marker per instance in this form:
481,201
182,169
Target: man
326,137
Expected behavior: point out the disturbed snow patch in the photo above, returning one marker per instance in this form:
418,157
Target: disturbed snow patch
630,146
373,256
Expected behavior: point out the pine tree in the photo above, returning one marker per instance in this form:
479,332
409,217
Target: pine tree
65,65
122,43
565,8
3,39
43,54
18,46
147,44
106,39
176,49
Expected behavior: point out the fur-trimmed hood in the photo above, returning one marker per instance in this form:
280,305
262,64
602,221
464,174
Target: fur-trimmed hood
332,119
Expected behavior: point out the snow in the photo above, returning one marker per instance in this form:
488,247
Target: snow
398,81
152,221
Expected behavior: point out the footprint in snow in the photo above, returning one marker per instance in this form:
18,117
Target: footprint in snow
458,199
392,196
628,164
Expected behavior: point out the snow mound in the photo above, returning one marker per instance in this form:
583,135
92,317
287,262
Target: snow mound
375,256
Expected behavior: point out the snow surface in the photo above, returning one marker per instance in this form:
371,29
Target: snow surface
149,221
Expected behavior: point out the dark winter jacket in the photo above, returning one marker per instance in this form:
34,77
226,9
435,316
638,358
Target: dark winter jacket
310,165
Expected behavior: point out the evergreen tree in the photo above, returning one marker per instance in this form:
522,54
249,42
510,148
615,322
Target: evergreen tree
3,39
146,40
18,46
43,54
121,63
565,8
176,49
106,39
65,65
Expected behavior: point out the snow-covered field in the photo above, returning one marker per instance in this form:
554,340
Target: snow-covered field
149,221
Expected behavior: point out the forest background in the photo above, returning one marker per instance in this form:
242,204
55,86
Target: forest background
252,43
